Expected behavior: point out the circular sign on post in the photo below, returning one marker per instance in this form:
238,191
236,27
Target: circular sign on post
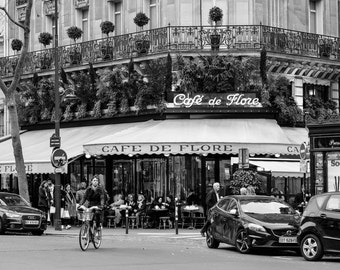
58,158
303,151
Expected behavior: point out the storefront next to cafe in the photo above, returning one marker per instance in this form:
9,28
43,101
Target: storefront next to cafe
194,143
325,155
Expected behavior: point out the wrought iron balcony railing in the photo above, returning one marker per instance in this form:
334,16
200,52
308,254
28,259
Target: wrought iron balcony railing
179,39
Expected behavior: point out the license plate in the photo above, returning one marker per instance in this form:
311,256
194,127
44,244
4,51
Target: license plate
287,240
32,222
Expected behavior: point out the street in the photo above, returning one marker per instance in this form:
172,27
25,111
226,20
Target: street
140,249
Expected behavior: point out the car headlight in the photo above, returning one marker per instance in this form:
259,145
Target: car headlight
13,215
256,228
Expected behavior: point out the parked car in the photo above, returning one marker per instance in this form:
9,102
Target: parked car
249,222
319,232
17,215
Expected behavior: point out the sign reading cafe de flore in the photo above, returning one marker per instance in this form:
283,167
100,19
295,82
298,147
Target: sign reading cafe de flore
190,146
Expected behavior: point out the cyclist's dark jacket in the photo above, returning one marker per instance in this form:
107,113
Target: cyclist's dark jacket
94,197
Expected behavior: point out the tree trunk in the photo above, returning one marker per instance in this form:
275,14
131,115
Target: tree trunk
17,148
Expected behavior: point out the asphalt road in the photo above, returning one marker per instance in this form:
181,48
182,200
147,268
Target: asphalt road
139,250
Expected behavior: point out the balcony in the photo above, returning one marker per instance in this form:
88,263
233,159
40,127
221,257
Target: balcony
183,39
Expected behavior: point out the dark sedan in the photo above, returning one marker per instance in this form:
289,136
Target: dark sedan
248,222
17,215
320,226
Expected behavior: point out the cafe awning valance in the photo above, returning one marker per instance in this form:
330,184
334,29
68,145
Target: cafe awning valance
279,167
37,150
195,136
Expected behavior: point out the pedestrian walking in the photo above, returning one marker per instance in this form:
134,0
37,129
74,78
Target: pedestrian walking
211,199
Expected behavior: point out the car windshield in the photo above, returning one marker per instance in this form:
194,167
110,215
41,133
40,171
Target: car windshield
265,207
12,200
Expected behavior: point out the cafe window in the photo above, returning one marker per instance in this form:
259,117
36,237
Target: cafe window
317,91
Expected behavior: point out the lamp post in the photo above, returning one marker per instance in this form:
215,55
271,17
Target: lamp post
57,220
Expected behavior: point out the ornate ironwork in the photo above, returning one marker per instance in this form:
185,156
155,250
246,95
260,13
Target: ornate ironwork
179,39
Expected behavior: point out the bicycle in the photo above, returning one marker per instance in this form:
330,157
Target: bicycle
89,232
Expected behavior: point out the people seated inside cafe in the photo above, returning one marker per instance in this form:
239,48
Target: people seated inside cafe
170,205
157,210
192,198
140,207
115,206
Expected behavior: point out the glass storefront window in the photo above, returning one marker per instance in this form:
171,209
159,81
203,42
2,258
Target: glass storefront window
122,174
151,178
333,170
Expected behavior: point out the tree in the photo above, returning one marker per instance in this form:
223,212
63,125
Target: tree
10,93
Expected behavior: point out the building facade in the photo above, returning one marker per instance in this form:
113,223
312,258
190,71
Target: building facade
301,42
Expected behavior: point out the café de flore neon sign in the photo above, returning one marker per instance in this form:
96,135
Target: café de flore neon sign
217,100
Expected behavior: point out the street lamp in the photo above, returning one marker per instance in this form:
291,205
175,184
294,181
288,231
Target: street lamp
57,218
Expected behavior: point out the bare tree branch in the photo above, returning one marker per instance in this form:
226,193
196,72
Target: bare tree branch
19,67
11,19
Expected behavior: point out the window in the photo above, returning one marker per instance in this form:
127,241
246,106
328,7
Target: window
53,27
118,18
153,14
85,24
312,16
317,91
333,203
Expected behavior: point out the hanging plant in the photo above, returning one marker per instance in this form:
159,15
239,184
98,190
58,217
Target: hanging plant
124,105
107,27
141,19
74,33
16,45
81,111
45,114
68,115
45,38
97,112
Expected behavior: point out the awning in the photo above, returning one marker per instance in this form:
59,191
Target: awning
279,167
37,151
195,136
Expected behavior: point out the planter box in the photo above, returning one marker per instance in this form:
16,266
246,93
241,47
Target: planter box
215,41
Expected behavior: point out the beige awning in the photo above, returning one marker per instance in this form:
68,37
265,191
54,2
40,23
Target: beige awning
279,167
37,150
195,136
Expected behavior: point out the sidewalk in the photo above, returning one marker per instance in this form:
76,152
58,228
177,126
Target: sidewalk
74,231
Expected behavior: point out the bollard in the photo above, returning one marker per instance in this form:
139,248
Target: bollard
176,215
126,221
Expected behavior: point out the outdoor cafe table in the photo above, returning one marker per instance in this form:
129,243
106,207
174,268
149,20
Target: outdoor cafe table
191,209
157,213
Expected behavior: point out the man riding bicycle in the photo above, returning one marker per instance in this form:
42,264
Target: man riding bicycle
95,196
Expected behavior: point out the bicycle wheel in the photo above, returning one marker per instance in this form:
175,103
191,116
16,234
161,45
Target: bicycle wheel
84,236
97,237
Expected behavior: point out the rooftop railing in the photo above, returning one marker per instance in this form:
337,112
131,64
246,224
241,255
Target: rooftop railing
226,38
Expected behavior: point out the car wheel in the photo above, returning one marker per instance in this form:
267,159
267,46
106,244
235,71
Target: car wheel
211,241
242,244
2,230
311,248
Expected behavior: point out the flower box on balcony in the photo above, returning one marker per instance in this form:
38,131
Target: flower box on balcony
81,4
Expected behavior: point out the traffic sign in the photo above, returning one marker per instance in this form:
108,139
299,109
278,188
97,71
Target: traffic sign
54,141
304,151
58,158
